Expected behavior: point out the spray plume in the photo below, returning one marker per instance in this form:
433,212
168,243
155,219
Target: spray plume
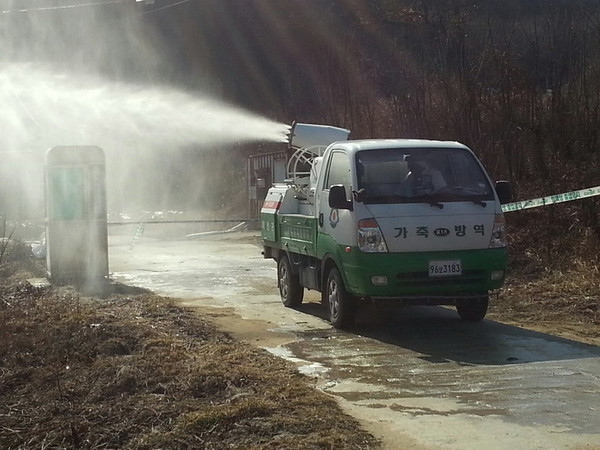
143,130
44,108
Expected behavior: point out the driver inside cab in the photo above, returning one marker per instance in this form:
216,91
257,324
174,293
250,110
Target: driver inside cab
422,178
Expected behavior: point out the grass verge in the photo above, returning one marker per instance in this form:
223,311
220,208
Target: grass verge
135,370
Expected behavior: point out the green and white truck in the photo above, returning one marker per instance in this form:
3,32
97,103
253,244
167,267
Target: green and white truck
416,222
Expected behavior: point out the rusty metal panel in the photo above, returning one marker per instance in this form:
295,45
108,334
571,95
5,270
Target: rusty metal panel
262,170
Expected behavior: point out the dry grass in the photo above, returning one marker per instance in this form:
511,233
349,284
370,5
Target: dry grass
136,371
554,273
564,299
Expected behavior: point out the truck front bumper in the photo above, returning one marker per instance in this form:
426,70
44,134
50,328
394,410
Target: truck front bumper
406,275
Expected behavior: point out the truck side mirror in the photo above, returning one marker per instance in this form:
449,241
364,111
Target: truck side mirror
504,191
338,199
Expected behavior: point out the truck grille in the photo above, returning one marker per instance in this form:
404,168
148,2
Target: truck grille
415,278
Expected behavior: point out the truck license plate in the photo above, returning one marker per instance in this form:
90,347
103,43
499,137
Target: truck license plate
445,268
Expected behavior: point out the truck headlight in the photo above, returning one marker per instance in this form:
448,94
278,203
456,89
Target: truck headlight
370,237
498,239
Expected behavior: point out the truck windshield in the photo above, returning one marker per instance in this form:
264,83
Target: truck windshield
432,175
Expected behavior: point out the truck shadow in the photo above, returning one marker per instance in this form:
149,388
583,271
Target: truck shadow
438,335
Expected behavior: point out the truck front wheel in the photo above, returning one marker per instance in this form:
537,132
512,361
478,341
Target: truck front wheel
473,310
290,289
341,304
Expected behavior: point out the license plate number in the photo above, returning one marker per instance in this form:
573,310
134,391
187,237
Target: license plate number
445,268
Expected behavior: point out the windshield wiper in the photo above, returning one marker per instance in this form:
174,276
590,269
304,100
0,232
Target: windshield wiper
479,202
428,199
476,198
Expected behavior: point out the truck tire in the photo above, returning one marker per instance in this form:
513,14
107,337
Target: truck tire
340,304
290,289
473,310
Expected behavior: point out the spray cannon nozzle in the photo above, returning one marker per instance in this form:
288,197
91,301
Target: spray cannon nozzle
308,134
290,134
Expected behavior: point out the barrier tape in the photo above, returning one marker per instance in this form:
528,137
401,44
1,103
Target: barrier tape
551,199
153,222
142,225
508,207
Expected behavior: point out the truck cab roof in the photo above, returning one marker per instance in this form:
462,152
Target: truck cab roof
379,144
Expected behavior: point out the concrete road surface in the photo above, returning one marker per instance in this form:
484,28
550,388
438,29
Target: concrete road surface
416,377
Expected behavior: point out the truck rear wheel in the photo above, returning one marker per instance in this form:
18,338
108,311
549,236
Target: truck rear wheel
290,289
341,304
473,310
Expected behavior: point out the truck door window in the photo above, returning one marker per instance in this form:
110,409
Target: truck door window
338,172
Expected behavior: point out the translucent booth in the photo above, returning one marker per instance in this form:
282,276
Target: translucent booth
76,224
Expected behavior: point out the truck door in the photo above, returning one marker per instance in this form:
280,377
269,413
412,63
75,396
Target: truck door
336,225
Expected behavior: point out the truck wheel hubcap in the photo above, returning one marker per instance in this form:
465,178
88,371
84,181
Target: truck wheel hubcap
283,282
334,300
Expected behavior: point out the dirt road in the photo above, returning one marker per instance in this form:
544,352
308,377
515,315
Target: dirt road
415,377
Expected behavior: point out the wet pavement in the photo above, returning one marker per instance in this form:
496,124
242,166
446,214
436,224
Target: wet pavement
419,375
